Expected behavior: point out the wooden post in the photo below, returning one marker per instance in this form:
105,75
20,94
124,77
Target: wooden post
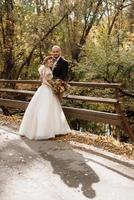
124,122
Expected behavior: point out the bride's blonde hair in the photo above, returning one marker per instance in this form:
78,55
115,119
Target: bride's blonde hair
49,57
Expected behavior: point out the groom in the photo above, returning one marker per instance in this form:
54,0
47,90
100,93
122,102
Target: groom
60,66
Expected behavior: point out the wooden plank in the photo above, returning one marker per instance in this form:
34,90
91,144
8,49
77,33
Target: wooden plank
84,114
21,81
13,103
29,92
91,99
80,84
68,97
90,115
96,84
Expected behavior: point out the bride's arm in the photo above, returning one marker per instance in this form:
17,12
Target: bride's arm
47,77
41,70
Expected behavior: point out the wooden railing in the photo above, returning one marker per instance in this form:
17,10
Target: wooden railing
116,118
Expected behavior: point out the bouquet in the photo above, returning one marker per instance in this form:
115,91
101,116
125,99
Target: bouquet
59,87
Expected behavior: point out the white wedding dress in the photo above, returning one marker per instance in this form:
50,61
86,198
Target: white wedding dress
44,117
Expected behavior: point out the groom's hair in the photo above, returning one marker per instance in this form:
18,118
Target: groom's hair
57,47
46,58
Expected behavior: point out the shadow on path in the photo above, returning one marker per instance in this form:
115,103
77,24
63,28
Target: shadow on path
68,164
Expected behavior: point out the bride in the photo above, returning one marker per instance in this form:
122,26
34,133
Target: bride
44,117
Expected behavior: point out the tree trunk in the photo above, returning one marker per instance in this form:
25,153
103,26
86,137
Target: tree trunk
8,46
131,17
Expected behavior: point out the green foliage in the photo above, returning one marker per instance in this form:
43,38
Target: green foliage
110,61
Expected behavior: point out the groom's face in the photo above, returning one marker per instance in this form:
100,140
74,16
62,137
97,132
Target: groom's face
56,52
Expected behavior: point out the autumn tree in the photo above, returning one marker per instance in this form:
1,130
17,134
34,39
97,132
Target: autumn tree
7,30
34,22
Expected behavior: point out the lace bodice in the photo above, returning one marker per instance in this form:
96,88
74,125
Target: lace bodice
45,73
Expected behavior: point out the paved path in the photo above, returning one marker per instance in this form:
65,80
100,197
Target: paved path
50,170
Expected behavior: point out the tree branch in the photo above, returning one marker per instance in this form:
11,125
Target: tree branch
89,26
126,93
119,8
29,57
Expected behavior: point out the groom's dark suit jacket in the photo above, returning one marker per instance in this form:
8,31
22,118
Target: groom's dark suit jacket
61,69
